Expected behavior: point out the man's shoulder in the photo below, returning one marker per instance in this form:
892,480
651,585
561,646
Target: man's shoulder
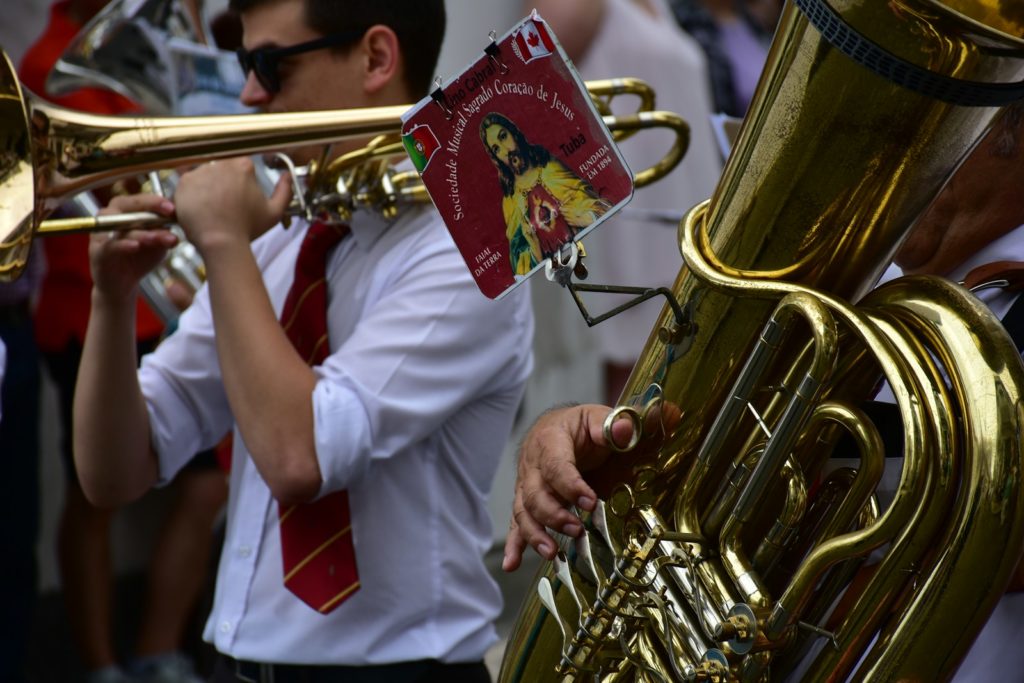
418,230
416,244
425,246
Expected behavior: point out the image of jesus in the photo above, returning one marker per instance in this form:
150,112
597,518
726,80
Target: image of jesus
544,203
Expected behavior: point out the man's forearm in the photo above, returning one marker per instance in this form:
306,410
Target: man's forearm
268,385
113,456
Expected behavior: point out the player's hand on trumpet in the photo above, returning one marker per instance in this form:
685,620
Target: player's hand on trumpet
119,259
223,204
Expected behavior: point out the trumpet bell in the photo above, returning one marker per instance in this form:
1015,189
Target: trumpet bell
17,177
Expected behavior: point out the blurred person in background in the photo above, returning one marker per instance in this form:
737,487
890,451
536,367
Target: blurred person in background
734,35
19,454
178,569
637,247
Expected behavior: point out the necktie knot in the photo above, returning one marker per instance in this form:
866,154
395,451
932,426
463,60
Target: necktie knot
316,245
319,240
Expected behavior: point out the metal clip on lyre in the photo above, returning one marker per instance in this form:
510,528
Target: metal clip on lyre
568,263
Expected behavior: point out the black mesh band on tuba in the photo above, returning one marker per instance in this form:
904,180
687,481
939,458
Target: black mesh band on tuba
897,70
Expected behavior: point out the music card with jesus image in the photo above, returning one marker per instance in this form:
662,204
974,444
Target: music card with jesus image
516,157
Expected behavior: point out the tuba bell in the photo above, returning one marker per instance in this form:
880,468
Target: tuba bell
158,53
722,542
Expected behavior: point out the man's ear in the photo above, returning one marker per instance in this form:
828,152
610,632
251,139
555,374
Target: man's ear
382,58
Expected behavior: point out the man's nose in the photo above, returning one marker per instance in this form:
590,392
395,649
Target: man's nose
253,93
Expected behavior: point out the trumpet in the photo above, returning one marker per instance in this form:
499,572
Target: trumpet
366,179
51,153
360,180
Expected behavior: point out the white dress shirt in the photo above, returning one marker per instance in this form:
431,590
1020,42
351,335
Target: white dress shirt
1009,247
412,411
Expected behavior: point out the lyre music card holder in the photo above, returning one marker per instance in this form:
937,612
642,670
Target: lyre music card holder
516,157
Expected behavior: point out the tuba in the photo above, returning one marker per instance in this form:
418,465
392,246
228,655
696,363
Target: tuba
724,548
158,53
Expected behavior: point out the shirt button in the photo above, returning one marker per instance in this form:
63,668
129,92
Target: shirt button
244,551
225,626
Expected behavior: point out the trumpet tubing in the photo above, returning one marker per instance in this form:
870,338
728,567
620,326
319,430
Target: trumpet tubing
51,153
705,562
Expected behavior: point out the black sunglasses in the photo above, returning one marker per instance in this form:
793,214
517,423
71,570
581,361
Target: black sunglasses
265,60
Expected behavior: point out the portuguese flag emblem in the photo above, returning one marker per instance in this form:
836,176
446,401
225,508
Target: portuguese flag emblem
420,143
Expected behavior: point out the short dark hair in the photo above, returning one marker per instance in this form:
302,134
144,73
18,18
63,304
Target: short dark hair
533,155
419,25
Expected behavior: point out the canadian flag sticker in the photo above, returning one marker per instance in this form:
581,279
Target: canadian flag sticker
532,41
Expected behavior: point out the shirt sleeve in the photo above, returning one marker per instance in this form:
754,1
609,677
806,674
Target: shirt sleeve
427,343
181,382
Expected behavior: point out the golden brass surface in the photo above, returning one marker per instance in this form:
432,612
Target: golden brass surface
51,153
831,167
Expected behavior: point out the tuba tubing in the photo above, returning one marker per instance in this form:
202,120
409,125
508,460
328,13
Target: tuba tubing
834,162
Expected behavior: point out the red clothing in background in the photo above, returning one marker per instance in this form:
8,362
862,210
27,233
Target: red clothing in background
64,297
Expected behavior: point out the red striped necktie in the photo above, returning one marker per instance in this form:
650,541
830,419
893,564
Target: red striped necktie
316,538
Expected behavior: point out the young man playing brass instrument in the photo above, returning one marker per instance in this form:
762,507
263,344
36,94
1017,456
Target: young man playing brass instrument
370,394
